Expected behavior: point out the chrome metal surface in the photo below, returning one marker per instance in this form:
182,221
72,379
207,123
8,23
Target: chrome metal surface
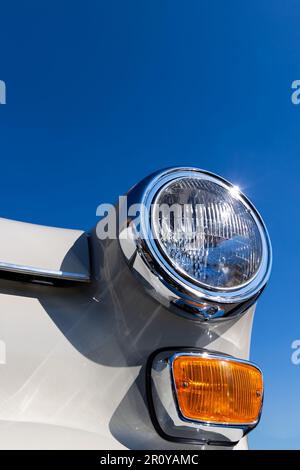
167,416
44,272
166,284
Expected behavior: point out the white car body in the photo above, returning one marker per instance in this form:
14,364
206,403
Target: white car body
72,355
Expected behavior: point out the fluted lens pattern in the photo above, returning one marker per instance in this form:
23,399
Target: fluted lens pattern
207,233
217,390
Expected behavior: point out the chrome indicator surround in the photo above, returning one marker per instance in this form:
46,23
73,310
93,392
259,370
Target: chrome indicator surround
165,412
44,273
173,289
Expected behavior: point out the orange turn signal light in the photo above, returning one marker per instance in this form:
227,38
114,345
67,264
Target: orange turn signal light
218,390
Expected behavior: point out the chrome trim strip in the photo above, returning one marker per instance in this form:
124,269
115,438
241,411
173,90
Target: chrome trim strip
44,272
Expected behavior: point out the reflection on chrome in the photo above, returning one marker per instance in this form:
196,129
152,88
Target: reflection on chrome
197,243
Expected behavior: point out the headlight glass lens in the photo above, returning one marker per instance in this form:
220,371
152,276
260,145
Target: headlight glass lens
207,233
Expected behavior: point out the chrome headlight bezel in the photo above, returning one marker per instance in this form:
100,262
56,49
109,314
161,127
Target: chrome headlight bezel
174,288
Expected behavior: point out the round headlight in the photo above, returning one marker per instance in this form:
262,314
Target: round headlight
207,233
198,243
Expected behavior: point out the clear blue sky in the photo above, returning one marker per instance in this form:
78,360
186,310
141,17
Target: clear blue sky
101,93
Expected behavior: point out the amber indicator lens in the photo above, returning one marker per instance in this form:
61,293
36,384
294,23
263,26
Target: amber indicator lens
218,390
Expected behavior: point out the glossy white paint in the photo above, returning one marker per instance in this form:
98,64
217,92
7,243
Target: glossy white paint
43,250
75,357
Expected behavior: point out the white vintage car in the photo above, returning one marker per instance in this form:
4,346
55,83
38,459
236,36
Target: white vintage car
135,335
